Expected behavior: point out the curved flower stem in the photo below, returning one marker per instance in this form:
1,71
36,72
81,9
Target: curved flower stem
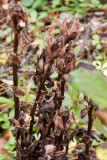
15,77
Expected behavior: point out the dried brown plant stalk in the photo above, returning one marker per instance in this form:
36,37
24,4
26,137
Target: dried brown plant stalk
52,120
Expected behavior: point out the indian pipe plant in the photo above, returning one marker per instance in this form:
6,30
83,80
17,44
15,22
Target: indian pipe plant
52,120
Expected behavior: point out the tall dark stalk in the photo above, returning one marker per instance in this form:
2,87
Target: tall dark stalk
15,76
90,120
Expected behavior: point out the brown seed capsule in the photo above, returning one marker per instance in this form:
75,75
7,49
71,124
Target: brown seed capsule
42,66
66,64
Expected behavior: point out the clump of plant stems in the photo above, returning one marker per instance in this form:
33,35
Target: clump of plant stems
52,120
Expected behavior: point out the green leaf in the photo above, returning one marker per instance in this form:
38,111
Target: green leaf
11,114
74,126
10,145
42,15
77,111
56,31
93,83
39,24
32,96
7,101
96,37
33,13
33,86
98,46
55,3
6,124
67,100
100,127
63,8
3,157
95,143
3,117
37,4
12,141
54,75
27,3
4,75
37,137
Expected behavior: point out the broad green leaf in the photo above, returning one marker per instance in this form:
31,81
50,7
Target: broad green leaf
100,127
92,83
67,100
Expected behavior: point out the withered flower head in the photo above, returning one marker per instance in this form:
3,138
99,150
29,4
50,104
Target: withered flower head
73,31
66,64
63,122
17,18
42,67
57,49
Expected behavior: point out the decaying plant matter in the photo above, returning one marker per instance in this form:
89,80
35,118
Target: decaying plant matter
53,120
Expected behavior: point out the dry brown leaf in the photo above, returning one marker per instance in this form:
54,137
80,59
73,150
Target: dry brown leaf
58,121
